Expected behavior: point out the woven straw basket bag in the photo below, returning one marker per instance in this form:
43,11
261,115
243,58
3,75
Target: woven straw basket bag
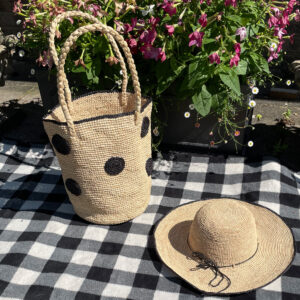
102,140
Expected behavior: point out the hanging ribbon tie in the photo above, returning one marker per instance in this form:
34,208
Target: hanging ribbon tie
206,263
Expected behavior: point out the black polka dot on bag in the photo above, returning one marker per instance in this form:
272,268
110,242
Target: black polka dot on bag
114,166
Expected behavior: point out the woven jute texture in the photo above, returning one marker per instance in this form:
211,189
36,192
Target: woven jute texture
102,140
247,243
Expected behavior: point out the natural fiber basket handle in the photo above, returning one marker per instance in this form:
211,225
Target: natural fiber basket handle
61,73
93,19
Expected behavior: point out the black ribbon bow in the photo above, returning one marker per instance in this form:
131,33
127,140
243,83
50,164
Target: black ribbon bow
206,263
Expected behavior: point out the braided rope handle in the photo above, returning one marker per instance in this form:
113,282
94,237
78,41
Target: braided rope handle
61,73
93,19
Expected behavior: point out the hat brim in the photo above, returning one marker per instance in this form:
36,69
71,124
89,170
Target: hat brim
276,250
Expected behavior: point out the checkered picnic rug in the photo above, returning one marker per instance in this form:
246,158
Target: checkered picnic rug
47,252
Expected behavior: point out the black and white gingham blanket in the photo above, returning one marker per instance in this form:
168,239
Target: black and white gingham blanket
47,252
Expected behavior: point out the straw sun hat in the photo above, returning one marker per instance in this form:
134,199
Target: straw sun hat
225,246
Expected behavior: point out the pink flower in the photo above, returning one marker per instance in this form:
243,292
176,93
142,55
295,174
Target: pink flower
279,32
94,9
132,44
79,3
32,18
284,20
231,2
291,6
237,133
273,55
133,22
154,21
196,38
276,11
203,20
279,47
148,36
150,52
272,21
169,8
234,60
45,59
170,29
292,38
241,32
214,58
120,26
237,48
17,6
297,17
127,28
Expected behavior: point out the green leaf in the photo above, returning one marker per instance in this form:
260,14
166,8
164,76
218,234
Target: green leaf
202,101
231,79
241,69
166,73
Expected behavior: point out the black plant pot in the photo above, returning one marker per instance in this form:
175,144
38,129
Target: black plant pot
182,134
48,89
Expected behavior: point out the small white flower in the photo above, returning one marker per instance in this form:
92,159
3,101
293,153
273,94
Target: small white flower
19,35
191,106
255,90
121,72
252,103
19,22
32,71
21,53
274,46
148,10
288,82
250,144
187,114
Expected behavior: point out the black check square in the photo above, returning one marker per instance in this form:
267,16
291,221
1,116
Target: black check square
110,248
145,281
68,242
99,274
13,259
53,266
38,292
28,236
173,192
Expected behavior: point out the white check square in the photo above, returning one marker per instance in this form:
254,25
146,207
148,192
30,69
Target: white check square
232,189
158,295
42,251
274,286
69,282
17,225
24,277
133,239
5,247
271,166
127,264
231,168
85,258
198,167
194,186
56,227
146,218
271,185
116,290
95,233
271,205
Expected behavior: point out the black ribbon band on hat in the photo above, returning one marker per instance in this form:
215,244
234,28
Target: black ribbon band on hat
206,263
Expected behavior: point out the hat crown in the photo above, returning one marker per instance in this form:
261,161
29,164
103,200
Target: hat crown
224,231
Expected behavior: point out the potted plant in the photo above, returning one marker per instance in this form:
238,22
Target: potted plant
189,53
7,49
